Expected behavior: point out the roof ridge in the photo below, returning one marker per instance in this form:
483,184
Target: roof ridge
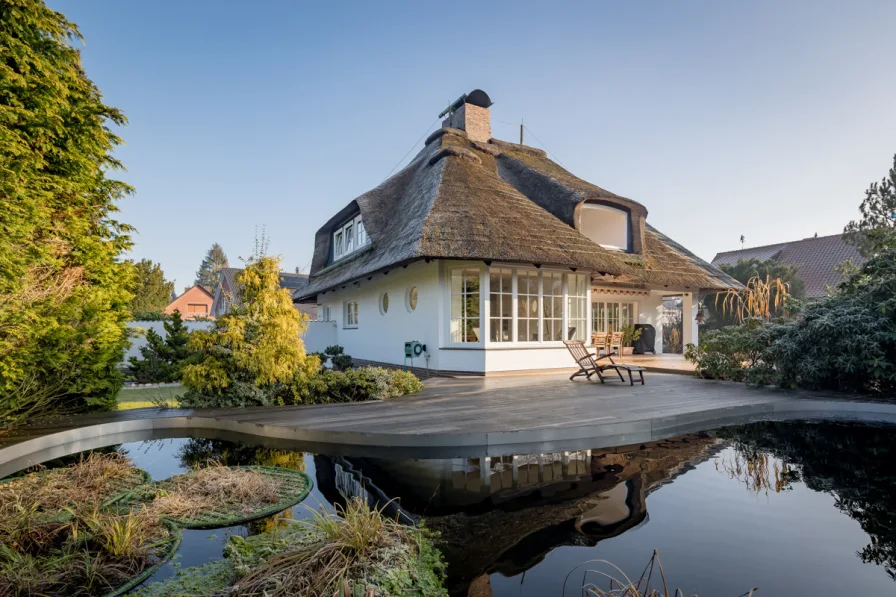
780,244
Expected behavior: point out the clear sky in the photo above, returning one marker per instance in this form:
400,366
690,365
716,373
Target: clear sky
763,118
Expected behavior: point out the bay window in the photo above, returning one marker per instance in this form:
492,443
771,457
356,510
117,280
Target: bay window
527,306
577,305
465,305
552,305
500,304
518,305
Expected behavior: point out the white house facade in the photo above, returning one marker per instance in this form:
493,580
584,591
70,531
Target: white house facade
491,255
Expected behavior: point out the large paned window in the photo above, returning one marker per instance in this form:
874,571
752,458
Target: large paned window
607,316
465,322
577,305
501,305
552,305
527,306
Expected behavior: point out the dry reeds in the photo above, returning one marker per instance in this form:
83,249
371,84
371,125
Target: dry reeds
620,585
85,484
213,488
759,298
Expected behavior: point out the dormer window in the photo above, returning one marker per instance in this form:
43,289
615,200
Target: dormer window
608,226
349,237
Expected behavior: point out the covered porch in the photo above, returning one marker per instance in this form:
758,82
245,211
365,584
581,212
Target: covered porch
671,312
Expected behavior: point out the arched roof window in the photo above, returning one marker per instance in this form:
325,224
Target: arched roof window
608,226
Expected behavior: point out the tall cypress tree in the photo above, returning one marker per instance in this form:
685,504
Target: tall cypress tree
152,292
64,289
215,260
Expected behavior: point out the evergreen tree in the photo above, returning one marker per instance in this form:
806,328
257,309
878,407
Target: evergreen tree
215,260
163,359
254,349
64,289
152,291
876,230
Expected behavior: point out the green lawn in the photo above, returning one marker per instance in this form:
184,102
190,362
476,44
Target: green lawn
143,397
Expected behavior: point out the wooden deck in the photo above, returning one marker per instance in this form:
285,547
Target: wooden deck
453,416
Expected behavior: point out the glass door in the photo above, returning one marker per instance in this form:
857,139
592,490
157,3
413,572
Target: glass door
612,316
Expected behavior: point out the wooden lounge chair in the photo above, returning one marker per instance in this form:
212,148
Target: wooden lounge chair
590,364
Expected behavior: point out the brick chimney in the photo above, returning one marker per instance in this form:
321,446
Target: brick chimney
472,115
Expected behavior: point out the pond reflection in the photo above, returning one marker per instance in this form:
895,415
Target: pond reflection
794,508
854,463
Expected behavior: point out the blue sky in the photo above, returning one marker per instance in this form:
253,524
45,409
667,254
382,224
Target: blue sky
767,119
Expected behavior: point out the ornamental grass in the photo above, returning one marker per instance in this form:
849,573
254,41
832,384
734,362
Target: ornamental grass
356,548
92,554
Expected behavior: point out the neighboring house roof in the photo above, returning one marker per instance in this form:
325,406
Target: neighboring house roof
191,289
291,281
815,259
463,199
193,295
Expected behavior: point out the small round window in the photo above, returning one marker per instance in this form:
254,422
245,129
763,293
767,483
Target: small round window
384,303
412,298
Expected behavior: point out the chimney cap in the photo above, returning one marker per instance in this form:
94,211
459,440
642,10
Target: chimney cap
477,97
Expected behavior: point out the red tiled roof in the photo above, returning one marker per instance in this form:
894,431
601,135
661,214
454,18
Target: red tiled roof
814,257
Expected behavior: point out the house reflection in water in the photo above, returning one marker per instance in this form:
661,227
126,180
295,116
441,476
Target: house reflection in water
504,514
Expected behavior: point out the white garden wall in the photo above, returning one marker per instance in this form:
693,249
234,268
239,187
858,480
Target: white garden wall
319,335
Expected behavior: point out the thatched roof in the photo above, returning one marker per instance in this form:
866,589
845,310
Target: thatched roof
461,199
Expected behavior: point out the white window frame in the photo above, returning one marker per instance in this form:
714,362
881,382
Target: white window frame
501,292
352,237
597,298
549,275
606,212
350,316
485,340
338,243
483,292
584,304
538,318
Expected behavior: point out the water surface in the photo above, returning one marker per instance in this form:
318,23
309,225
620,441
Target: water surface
792,508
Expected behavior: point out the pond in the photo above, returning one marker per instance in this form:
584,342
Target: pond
792,508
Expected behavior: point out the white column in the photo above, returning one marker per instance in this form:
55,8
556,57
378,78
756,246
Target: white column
688,325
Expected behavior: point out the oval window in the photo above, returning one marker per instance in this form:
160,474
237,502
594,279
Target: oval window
384,303
412,298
